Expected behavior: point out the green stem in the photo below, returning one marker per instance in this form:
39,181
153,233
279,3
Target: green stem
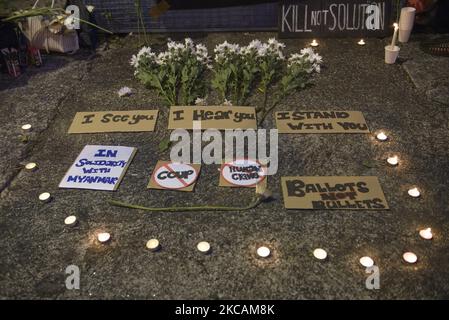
94,25
252,205
265,113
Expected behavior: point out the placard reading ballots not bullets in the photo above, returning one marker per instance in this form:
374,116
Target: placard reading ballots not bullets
98,168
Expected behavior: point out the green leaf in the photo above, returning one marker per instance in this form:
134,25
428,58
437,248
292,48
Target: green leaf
370,163
165,144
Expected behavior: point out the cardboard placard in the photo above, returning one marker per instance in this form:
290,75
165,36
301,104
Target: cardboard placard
324,193
321,122
332,18
114,121
242,173
98,168
174,176
215,117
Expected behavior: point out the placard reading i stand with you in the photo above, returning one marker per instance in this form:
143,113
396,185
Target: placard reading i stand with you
98,168
321,122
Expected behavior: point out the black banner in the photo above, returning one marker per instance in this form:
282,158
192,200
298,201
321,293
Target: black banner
333,18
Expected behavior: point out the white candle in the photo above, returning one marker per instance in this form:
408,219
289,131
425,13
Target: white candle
414,192
314,43
263,252
367,262
203,247
70,221
393,161
31,166
410,257
426,233
361,42
153,244
381,136
395,36
320,254
26,128
45,197
103,237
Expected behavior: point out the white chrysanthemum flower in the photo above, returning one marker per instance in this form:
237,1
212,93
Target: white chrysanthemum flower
189,43
134,61
309,51
125,91
227,102
201,101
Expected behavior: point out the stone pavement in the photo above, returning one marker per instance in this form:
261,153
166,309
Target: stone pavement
36,247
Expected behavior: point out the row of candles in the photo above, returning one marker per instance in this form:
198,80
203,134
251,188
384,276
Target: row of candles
315,43
263,251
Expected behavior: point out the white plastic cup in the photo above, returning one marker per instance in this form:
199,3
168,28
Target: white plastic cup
391,54
406,22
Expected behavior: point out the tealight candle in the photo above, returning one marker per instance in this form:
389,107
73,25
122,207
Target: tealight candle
367,262
26,128
31,166
393,161
361,42
45,197
410,257
103,237
70,221
381,136
426,233
203,247
263,252
414,192
314,43
153,244
320,254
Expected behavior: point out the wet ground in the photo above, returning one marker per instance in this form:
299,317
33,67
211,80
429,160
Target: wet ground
408,100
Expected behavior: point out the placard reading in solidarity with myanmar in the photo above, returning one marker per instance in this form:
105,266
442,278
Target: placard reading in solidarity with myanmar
98,168
349,193
321,122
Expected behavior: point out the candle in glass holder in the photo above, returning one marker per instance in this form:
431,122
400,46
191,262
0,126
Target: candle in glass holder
320,254
32,166
203,247
414,192
426,233
367,262
104,237
70,221
314,43
381,136
26,128
361,42
153,244
45,197
410,257
393,160
263,252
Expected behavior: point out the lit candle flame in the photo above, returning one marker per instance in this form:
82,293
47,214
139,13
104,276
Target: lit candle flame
381,136
394,160
414,192
426,233
410,257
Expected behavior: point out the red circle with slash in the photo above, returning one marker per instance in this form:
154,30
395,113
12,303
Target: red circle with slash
175,182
